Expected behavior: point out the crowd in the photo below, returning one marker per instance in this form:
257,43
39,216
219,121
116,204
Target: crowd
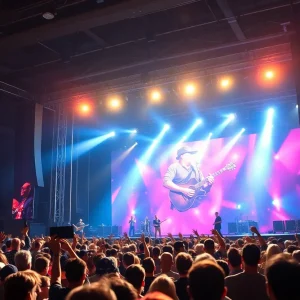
198,267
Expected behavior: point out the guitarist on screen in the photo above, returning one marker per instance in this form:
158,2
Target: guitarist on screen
181,172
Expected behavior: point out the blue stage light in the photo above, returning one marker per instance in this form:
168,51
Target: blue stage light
166,127
238,206
271,112
231,117
198,121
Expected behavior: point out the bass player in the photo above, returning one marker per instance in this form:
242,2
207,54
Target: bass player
181,172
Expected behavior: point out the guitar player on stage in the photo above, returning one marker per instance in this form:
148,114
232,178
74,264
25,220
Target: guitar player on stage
217,223
80,225
183,171
156,224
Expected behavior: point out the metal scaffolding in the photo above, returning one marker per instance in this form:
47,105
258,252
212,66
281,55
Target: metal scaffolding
58,174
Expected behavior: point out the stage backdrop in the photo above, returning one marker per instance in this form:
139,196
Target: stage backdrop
264,186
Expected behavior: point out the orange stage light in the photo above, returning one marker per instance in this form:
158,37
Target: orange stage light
84,108
269,74
155,95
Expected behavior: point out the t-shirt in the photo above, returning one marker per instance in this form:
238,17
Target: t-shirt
218,219
148,281
57,292
181,289
156,223
245,286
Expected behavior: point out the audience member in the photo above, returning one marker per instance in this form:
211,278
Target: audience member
15,247
224,265
166,263
128,260
135,275
149,267
234,261
206,281
44,288
283,274
183,263
272,250
104,266
23,260
123,289
5,272
94,291
41,265
22,285
3,258
240,286
165,285
296,255
156,258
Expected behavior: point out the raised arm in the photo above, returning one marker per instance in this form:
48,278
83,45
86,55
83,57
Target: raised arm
55,247
261,240
146,249
220,240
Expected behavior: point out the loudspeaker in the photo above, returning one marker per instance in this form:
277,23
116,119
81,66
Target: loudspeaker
278,226
232,228
290,225
116,230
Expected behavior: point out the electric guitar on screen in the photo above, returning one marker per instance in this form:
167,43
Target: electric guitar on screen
182,202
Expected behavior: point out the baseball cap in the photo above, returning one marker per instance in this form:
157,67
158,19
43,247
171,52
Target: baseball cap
7,270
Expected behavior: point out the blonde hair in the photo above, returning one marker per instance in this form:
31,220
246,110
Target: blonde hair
272,250
165,285
20,284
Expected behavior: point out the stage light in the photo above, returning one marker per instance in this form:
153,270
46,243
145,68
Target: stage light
276,202
276,157
225,83
235,156
155,95
189,89
196,212
238,206
198,121
133,131
210,134
114,103
84,108
243,129
271,112
269,74
296,105
111,134
166,127
231,117
133,212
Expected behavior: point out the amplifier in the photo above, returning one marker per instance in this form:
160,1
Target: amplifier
290,226
278,226
232,228
105,231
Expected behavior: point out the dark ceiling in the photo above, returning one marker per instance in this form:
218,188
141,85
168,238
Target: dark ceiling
96,42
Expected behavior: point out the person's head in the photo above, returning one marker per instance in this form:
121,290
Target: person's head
8,244
94,291
3,258
75,271
224,265
296,255
205,256
209,246
272,250
123,289
106,265
135,275
179,247
251,255
37,245
206,281
156,217
24,285
216,213
183,263
234,258
282,273
165,285
146,218
41,265
168,248
280,243
128,259
199,249
25,190
156,252
149,266
45,286
80,220
23,260
166,261
6,271
291,248
132,248
15,244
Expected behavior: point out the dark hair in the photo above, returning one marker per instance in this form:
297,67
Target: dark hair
41,263
147,240
224,265
141,247
183,263
128,259
123,289
291,248
135,275
8,243
113,252
206,281
251,255
156,251
283,275
177,245
148,264
234,257
209,244
75,269
168,248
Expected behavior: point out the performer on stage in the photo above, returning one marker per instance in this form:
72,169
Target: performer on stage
156,224
132,222
81,226
23,209
217,223
147,226
181,172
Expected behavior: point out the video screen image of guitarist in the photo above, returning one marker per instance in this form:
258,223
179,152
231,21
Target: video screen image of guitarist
187,183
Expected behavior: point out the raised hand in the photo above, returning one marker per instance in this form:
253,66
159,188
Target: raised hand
55,245
180,236
143,238
254,229
214,231
170,235
195,232
2,237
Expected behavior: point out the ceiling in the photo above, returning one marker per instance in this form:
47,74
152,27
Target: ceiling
104,43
